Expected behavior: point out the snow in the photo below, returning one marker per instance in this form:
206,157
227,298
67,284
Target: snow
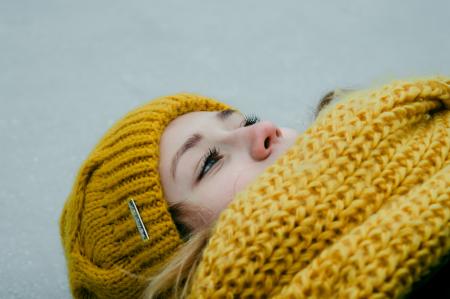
69,69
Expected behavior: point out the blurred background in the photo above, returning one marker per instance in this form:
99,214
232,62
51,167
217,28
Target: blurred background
70,69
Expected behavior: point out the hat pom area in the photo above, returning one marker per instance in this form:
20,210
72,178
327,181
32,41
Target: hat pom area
106,256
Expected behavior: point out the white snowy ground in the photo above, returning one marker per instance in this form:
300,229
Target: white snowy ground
69,69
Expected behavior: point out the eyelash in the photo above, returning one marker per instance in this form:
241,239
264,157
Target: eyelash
213,155
250,120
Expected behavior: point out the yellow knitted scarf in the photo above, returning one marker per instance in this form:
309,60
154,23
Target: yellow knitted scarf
359,207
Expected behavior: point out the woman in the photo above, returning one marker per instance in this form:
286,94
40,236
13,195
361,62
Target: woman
153,143
178,169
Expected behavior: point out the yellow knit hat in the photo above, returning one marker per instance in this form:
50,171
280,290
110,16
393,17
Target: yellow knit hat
106,256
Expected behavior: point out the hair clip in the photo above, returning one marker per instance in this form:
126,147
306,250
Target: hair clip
138,219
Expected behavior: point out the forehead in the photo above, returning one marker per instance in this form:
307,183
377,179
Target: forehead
186,124
181,128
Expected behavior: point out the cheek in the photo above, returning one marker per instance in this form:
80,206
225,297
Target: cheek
218,193
230,183
244,178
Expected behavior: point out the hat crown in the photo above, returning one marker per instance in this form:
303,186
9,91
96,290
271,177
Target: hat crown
105,253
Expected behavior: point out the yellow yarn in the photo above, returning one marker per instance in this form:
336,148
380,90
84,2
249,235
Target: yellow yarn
359,207
106,257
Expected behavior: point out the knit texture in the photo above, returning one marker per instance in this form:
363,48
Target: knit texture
358,207
106,256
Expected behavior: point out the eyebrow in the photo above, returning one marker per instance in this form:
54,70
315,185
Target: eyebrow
193,140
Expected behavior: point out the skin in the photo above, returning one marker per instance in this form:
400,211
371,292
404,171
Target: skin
246,150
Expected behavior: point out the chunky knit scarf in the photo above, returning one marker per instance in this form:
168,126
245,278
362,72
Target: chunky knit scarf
359,207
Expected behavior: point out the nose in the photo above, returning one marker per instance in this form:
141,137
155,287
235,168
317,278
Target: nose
263,135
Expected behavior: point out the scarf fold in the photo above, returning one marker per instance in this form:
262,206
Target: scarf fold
358,207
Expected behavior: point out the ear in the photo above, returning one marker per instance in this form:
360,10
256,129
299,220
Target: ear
189,216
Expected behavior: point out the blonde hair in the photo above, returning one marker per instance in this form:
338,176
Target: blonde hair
173,280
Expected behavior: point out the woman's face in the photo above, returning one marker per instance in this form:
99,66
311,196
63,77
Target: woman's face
207,157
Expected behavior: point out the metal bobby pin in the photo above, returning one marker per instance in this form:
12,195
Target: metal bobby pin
138,219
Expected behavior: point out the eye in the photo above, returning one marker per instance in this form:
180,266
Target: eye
250,120
209,160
